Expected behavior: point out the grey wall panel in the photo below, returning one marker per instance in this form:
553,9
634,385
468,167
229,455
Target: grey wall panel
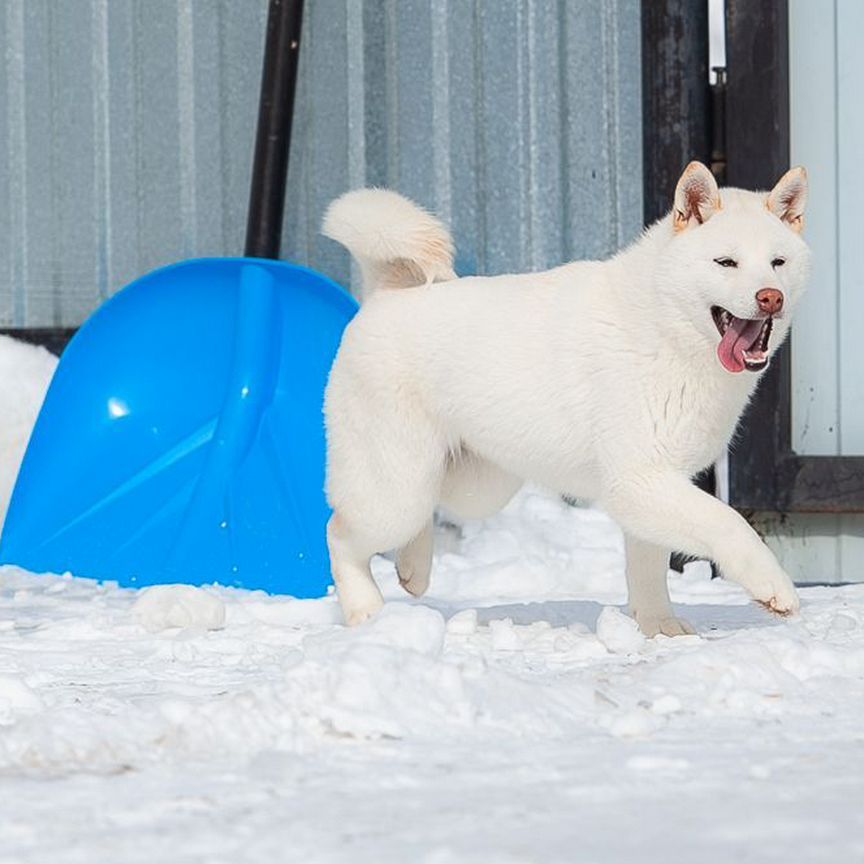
126,133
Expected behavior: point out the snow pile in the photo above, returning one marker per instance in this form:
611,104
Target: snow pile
163,607
98,676
515,714
25,372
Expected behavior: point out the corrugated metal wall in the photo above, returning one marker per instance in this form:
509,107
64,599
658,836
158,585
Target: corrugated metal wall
126,131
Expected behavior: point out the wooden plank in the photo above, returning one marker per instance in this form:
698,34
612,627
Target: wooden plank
820,484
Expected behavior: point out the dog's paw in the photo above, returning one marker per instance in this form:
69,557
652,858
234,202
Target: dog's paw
761,575
774,590
667,625
360,614
414,583
414,563
782,606
359,603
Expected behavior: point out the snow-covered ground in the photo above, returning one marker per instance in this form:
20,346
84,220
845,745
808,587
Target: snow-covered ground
513,715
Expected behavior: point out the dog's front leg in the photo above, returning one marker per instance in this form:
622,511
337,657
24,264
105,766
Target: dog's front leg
648,594
666,509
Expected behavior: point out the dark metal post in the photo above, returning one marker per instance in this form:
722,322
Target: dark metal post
675,96
757,114
272,142
718,125
676,111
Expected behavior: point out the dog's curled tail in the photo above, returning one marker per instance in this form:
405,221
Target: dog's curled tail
396,243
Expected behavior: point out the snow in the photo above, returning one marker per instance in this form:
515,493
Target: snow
513,715
164,607
25,372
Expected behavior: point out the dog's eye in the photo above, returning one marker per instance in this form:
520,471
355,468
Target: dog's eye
778,262
726,262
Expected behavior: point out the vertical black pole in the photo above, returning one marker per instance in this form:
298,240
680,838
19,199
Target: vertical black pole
675,96
273,138
676,112
757,154
718,125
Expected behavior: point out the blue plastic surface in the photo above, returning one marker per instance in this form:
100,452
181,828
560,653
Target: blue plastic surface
182,437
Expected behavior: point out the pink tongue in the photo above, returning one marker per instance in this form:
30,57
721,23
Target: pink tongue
736,340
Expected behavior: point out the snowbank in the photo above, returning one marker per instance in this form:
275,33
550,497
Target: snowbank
25,372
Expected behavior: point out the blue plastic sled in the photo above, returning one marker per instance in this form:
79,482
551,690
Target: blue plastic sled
182,437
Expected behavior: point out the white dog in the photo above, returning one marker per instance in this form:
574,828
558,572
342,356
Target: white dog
613,380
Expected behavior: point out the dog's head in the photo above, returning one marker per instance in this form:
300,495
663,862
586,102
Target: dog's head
740,260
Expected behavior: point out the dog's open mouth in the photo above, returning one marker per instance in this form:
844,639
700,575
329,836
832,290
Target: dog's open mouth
743,341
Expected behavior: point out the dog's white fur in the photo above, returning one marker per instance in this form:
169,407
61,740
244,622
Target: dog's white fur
597,379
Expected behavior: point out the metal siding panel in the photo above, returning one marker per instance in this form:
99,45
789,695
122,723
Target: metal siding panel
813,116
850,132
464,84
441,134
589,179
375,107
502,129
35,165
822,547
356,96
805,544
157,125
850,224
544,176
12,149
320,170
296,228
518,123
241,41
409,75
101,215
627,141
207,145
356,111
120,145
73,242
851,567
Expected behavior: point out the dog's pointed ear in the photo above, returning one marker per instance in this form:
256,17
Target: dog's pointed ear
788,198
697,197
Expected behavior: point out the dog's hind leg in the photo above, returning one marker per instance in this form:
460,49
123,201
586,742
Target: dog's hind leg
648,593
390,521
414,562
472,488
359,596
382,485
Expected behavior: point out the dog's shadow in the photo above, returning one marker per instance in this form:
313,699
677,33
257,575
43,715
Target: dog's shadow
705,617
